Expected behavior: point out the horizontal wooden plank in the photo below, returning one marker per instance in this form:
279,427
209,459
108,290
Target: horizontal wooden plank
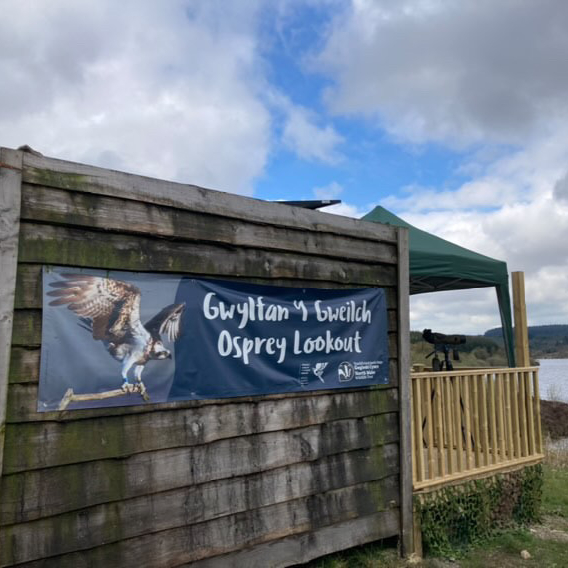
24,365
29,292
135,217
230,533
22,402
36,445
26,330
97,525
29,287
40,493
298,549
50,172
52,244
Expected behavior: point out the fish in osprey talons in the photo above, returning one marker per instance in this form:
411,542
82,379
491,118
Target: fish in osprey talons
110,309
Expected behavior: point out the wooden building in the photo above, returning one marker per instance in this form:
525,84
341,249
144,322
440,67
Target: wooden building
261,481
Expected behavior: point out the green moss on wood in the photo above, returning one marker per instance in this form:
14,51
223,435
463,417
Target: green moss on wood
26,329
51,178
68,442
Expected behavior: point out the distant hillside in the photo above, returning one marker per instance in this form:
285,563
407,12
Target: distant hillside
545,341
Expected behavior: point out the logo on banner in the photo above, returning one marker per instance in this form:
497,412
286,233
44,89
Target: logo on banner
346,372
318,370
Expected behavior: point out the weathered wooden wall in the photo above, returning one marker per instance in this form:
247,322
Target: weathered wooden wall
268,481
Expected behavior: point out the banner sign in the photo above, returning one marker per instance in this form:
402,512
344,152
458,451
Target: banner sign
122,338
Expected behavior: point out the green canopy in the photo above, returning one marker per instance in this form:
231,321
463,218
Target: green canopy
437,265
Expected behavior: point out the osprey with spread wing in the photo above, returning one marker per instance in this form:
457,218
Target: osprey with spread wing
110,309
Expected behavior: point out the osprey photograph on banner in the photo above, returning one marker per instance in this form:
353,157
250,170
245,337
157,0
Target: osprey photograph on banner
113,338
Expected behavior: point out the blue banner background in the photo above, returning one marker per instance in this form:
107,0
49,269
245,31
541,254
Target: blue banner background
203,370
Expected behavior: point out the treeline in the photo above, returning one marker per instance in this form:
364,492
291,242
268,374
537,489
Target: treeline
556,331
545,341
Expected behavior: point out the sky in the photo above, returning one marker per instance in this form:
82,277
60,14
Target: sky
452,115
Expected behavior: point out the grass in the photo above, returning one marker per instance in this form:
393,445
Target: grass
555,492
554,392
505,551
371,556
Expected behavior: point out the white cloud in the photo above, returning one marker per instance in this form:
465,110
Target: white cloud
334,190
469,312
310,141
331,191
464,75
346,210
165,89
454,72
531,237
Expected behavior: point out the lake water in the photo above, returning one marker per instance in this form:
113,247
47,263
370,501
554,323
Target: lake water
553,379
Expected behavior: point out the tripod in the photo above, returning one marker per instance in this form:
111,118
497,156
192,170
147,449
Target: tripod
438,365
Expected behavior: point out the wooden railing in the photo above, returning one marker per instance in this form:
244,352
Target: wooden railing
469,423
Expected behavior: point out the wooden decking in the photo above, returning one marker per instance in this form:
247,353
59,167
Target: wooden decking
471,423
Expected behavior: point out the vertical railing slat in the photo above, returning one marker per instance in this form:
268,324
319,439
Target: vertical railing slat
418,434
523,415
430,427
439,420
449,424
492,419
516,418
484,424
475,418
413,430
530,415
537,412
508,418
467,423
458,417
500,415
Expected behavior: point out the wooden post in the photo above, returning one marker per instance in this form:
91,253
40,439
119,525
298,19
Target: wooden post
521,329
406,520
10,201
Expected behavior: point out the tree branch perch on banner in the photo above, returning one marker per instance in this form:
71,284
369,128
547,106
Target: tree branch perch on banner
70,396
